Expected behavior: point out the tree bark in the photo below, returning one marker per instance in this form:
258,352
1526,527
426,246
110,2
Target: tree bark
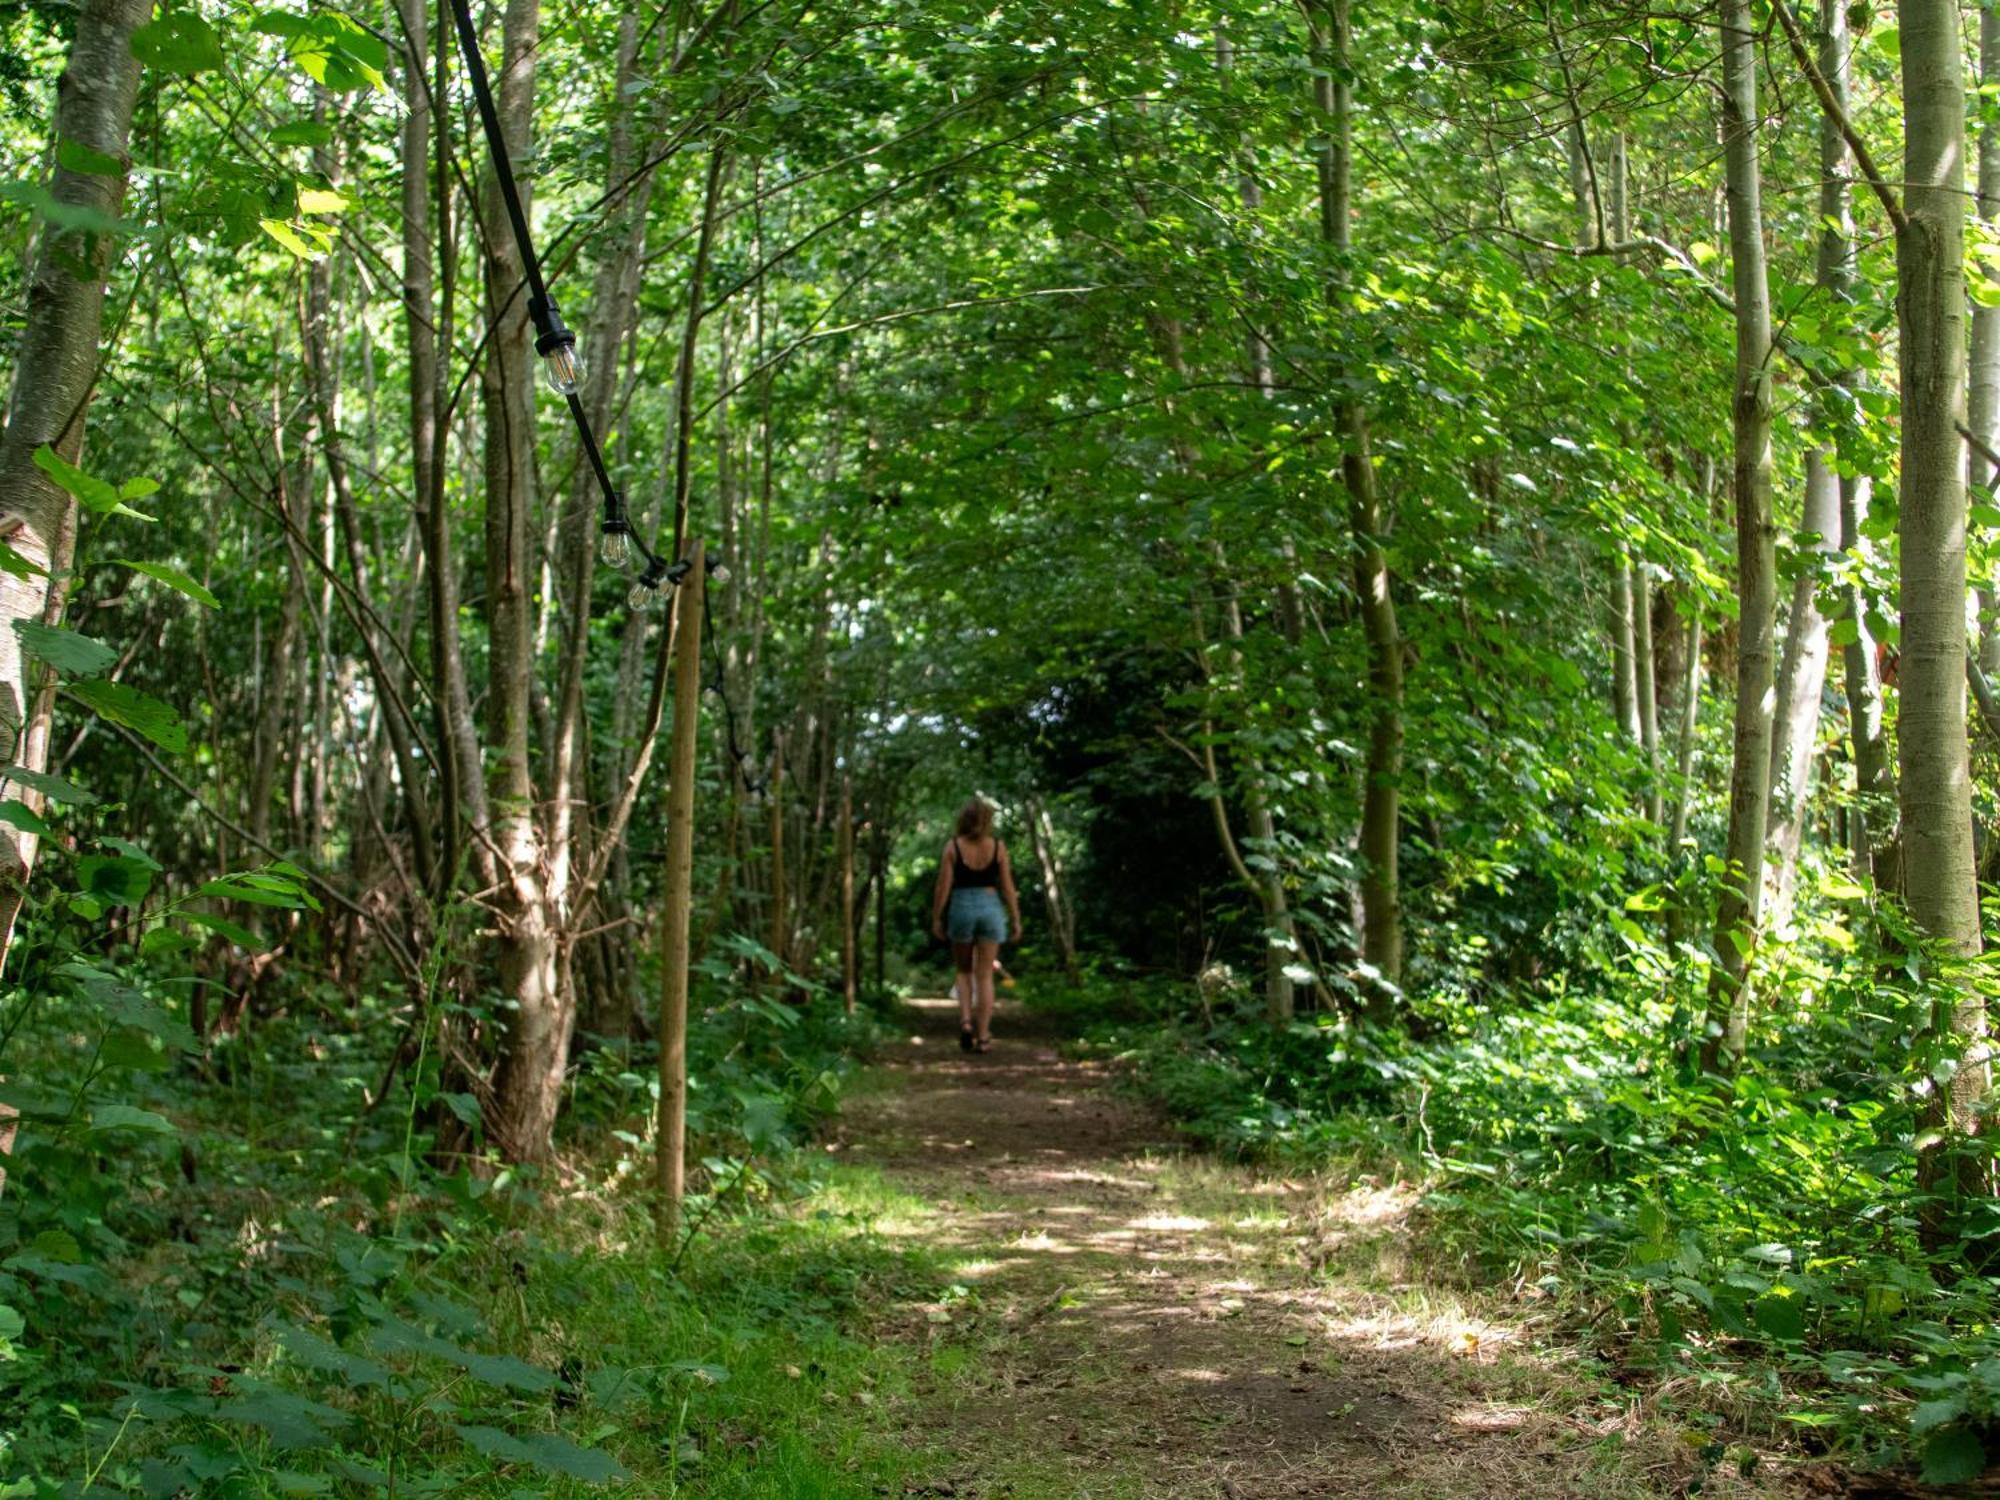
55,373
1802,670
1939,876
1055,886
527,1083
1740,905
670,1162
1379,843
1983,401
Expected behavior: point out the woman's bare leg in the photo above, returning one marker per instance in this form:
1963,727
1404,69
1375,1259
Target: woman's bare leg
961,988
982,975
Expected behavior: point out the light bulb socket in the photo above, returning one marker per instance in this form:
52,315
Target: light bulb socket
678,572
615,522
551,333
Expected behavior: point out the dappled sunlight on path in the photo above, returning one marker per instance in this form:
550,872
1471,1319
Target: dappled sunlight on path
1140,1322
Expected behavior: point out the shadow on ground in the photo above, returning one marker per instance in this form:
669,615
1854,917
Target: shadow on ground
1139,1322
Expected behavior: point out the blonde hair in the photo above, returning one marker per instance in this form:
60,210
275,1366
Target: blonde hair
975,819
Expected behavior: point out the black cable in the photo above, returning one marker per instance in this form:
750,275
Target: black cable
553,340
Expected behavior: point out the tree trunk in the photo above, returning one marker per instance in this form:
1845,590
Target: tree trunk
670,1160
55,372
1055,887
1802,672
1379,844
1741,902
527,1083
849,960
1983,403
1939,879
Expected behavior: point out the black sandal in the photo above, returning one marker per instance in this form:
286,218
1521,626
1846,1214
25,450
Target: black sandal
965,1038
984,1044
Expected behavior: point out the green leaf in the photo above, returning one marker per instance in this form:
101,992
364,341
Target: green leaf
12,561
113,879
125,1117
75,156
18,815
1931,1414
321,201
137,711
1954,1456
243,937
69,653
545,1451
173,578
91,494
53,787
236,888
178,42
301,133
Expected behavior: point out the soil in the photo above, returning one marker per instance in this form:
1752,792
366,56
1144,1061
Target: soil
1133,1320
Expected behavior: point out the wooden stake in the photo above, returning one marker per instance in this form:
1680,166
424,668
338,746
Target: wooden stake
670,1160
849,959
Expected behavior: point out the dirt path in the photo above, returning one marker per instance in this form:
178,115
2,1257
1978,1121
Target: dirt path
1139,1322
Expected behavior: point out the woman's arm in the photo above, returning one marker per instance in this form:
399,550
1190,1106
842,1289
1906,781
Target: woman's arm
1009,894
943,892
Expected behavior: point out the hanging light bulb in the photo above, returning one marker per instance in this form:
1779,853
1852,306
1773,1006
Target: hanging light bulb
614,546
718,570
646,590
562,368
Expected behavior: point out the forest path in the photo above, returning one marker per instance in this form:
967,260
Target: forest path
1142,1322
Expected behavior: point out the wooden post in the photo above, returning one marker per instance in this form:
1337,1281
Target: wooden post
670,1160
849,959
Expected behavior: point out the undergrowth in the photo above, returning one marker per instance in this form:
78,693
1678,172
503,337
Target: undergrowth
241,1279
1761,1240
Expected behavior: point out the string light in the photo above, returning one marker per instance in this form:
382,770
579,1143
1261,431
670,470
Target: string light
555,343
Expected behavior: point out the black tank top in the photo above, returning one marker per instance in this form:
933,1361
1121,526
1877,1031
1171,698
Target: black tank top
965,878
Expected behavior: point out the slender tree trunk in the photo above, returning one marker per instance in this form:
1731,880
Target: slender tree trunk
1379,844
1802,670
1983,402
670,1162
1739,909
527,1083
1055,886
55,372
1624,655
849,959
1931,733
780,922
1690,707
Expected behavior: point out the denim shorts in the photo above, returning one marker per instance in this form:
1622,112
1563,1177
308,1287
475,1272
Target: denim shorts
976,916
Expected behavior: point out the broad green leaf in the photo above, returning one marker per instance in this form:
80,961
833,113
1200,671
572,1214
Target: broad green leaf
173,578
18,815
126,1117
75,156
321,201
12,561
1954,1456
91,494
301,133
177,42
114,879
243,937
53,787
69,653
140,712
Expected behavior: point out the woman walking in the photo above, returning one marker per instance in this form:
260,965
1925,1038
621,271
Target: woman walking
974,880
